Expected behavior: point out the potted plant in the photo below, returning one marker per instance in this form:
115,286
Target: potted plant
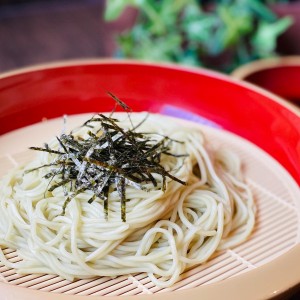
216,34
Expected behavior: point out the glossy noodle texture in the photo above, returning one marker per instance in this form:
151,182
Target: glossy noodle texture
165,233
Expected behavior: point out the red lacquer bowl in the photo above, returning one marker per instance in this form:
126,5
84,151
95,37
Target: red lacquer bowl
280,76
29,95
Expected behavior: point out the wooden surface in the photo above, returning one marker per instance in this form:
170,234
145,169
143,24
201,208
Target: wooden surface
45,31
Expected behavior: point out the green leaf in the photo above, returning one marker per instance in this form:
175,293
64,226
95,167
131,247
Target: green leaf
190,57
264,41
237,23
114,8
200,29
262,10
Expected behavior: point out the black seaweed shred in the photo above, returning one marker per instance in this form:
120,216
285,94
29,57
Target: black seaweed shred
111,156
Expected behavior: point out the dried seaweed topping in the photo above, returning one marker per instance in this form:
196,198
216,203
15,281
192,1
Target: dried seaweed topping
111,157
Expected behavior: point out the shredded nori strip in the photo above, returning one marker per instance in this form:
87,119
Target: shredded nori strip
112,156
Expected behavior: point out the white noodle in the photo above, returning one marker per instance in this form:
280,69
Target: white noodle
165,233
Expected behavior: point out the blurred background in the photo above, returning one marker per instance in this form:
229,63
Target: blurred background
221,35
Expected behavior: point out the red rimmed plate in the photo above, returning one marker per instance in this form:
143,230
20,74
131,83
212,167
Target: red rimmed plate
35,94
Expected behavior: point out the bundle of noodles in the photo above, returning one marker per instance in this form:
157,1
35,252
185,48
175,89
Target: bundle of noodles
169,227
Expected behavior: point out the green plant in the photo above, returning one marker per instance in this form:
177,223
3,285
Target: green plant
199,32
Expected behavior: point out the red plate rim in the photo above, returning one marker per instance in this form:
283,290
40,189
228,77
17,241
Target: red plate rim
292,166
